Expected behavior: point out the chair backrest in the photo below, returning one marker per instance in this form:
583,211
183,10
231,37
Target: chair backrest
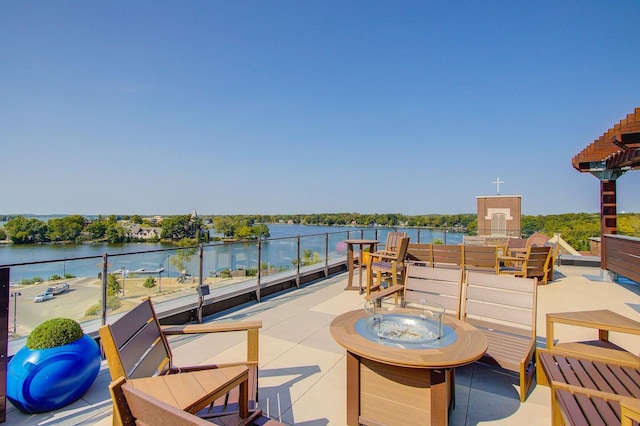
134,344
393,240
440,285
482,258
134,407
537,261
506,301
447,255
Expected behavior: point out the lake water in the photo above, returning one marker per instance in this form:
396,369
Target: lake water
279,251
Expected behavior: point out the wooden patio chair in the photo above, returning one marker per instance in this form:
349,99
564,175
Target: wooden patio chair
136,346
504,309
440,285
391,266
535,264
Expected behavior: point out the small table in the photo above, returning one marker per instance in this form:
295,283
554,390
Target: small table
602,320
395,386
195,390
350,260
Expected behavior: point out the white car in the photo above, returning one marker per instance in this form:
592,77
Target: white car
43,296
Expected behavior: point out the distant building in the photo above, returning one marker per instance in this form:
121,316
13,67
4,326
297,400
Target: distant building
500,215
138,232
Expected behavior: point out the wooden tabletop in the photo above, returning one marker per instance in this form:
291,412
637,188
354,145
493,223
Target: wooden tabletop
469,346
194,390
601,319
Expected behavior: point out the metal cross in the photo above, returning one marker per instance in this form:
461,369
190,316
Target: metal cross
498,182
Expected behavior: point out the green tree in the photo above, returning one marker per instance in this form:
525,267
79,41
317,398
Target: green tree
97,230
183,256
3,235
113,285
150,282
26,231
136,218
115,233
180,227
224,225
66,228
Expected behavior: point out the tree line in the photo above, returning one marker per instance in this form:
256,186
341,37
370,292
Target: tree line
575,228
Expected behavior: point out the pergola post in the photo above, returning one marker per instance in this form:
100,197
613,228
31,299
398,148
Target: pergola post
608,222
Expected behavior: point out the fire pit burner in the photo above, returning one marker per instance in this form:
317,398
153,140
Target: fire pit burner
419,326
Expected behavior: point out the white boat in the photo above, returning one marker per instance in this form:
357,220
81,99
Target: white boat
147,271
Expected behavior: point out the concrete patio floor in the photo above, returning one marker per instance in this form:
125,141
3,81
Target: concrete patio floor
302,369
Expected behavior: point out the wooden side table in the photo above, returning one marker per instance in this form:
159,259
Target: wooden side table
351,260
602,320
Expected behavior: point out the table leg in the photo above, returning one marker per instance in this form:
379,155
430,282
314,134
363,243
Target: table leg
360,270
353,389
350,267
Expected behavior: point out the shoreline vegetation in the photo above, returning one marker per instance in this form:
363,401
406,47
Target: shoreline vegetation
575,228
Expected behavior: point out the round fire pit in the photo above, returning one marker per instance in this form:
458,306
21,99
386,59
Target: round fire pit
418,326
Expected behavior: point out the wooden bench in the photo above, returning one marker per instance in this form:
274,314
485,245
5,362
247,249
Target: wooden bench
419,253
585,388
504,309
578,406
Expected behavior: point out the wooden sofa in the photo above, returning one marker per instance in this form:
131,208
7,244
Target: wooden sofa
462,256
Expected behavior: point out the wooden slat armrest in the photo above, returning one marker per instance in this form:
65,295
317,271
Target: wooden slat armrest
374,257
211,327
385,292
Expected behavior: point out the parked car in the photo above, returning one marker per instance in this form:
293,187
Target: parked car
59,288
41,297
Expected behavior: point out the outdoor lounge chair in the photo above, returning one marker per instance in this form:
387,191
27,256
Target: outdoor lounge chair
136,346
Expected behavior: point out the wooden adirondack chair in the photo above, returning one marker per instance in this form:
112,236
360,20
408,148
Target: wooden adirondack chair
136,347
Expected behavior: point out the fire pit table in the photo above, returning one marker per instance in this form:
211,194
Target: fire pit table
400,363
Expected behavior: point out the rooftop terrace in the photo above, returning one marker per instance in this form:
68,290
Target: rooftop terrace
302,369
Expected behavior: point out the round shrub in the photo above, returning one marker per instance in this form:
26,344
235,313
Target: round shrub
54,332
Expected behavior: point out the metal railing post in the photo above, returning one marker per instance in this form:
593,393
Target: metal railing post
298,263
201,263
259,280
326,255
105,284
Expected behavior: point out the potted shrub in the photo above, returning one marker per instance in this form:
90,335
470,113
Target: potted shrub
56,367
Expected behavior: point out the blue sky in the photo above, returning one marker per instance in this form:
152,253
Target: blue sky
241,107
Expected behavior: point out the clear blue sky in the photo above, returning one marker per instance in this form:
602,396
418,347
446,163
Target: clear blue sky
230,107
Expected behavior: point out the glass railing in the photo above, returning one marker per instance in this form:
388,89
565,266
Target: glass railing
104,286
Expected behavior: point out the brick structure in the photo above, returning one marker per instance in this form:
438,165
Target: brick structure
499,215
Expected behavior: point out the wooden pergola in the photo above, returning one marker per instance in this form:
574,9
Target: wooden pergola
607,158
